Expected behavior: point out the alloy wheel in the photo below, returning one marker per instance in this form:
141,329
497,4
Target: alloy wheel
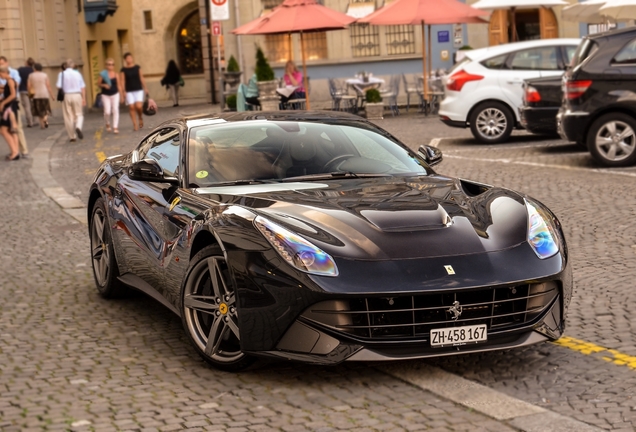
100,247
615,141
492,122
211,316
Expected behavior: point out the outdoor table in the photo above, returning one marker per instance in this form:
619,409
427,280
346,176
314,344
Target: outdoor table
435,94
361,86
286,91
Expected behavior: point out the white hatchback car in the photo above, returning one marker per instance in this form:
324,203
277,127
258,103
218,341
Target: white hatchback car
485,89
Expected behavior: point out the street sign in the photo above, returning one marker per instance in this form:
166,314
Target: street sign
220,10
216,28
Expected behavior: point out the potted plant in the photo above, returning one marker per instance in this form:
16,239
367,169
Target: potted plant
232,74
230,102
266,82
374,107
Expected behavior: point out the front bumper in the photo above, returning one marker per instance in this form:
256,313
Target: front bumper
572,125
540,121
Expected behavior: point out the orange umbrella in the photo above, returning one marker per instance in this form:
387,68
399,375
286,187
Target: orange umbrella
415,12
297,16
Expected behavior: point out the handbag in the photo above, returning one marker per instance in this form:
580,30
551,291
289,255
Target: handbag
60,91
98,102
181,81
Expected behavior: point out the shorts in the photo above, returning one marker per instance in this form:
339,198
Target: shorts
134,97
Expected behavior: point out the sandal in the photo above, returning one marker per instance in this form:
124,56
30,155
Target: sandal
107,128
141,124
115,130
15,158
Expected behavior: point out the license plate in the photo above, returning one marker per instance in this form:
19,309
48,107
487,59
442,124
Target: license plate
454,336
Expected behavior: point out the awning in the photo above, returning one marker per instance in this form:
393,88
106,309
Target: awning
360,9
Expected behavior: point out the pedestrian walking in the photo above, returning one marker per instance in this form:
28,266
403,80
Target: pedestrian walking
40,87
72,84
173,80
25,100
15,75
134,89
8,111
110,95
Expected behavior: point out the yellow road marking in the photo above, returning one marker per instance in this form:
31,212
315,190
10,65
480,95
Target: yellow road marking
607,354
101,156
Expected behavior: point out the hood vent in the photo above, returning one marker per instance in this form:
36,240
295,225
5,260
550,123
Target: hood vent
408,220
473,189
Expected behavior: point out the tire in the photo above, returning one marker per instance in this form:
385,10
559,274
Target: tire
612,140
209,311
105,269
491,122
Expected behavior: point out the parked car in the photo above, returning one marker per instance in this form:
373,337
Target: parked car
541,103
599,107
320,237
484,90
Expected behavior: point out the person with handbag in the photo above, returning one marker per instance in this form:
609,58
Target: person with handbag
8,111
25,100
110,95
172,80
72,91
39,86
133,89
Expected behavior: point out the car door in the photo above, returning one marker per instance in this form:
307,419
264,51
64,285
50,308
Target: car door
526,64
143,204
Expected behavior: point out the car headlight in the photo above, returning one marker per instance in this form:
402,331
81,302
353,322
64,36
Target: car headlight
297,251
542,234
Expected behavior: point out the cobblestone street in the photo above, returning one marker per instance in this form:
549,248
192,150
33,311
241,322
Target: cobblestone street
70,360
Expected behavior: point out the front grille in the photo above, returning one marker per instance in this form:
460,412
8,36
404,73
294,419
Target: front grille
413,316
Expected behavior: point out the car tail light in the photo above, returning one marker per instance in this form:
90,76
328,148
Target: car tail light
457,80
532,95
575,89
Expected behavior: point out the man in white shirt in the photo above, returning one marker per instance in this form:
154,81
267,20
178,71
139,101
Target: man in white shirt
72,82
15,75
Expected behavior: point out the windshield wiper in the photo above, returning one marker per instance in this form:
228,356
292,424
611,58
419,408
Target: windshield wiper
334,175
241,182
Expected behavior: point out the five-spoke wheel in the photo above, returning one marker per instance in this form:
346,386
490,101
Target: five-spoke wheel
612,140
105,268
210,314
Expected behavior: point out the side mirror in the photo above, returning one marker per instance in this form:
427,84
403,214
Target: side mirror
149,170
431,155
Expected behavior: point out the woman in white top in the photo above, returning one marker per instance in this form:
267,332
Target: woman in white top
40,87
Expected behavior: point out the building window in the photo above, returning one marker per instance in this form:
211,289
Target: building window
147,20
278,47
189,49
365,40
400,39
315,45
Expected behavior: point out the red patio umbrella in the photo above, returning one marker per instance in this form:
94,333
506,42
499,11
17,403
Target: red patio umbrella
297,16
425,12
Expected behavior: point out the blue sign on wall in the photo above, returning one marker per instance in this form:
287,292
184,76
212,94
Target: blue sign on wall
443,36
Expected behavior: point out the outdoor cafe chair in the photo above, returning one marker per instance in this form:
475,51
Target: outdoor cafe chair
340,99
410,88
391,94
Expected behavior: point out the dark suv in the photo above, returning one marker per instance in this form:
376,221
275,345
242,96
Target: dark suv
599,97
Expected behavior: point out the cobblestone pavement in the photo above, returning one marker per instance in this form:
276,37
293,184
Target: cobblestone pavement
70,360
67,356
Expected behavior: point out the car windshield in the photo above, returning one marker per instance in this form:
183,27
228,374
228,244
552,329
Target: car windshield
279,150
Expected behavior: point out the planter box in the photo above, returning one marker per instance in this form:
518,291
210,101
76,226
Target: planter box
375,111
269,103
267,88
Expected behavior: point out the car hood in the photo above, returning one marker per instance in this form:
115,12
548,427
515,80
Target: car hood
389,218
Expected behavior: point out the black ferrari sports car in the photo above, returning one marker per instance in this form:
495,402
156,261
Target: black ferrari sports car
319,237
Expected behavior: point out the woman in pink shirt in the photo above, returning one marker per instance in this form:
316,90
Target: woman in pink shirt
293,77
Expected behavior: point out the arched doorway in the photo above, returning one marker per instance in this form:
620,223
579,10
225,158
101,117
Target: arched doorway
530,24
189,49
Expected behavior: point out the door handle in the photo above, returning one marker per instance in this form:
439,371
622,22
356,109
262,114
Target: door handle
515,82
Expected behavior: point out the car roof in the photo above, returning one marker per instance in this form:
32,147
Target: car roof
613,32
310,116
493,51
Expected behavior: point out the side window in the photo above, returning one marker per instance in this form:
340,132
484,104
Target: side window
627,55
543,58
569,52
164,148
495,62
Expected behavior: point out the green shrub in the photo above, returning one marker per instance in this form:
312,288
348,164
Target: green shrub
230,101
232,65
374,96
465,48
264,71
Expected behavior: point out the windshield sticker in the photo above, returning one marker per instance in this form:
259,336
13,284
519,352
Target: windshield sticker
202,174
